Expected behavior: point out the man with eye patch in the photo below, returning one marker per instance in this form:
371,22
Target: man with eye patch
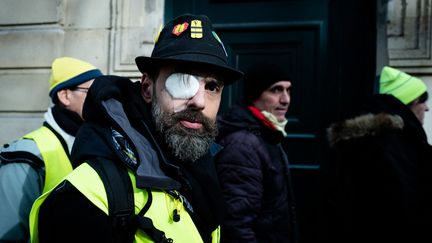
158,134
253,167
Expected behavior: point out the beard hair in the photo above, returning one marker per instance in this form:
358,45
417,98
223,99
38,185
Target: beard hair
187,145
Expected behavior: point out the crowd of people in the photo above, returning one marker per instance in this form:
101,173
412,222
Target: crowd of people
152,161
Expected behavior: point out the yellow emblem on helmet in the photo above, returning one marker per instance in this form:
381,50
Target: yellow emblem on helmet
180,28
196,29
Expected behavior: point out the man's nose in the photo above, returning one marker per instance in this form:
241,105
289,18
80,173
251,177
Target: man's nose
285,97
197,102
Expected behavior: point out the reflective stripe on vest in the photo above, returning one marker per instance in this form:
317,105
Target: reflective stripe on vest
88,182
57,163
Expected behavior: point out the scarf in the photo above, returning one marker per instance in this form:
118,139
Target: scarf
68,120
269,120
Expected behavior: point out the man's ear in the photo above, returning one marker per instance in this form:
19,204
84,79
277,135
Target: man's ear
147,88
63,97
414,102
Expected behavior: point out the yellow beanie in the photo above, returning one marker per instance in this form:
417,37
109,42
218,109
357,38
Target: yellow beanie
401,85
67,72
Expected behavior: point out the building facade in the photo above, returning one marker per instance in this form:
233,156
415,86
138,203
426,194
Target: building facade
108,34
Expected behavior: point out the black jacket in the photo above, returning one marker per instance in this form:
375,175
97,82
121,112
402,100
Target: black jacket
114,107
254,175
378,176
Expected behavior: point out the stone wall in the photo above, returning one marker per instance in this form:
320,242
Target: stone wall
409,43
108,34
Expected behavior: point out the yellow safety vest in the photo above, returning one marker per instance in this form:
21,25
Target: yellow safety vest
57,163
88,182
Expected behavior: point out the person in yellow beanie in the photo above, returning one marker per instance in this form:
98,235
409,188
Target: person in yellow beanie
409,90
381,181
35,163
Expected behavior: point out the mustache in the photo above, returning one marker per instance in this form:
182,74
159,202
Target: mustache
194,116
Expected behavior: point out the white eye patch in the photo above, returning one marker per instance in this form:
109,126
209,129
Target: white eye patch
182,85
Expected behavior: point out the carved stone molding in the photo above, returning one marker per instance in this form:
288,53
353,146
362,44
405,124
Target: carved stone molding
135,24
409,33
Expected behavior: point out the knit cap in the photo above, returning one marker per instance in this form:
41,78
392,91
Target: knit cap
259,77
67,72
401,85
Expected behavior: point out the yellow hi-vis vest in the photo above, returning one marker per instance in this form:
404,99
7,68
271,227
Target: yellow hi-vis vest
87,181
57,163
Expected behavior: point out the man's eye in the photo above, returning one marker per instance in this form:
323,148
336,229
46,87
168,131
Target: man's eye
213,87
276,89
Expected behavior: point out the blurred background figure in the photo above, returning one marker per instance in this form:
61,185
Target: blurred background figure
39,160
380,182
253,167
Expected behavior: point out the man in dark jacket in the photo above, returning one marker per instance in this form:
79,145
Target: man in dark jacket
253,167
380,177
158,133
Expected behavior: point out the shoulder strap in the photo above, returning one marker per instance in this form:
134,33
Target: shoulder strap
20,156
21,151
121,203
59,137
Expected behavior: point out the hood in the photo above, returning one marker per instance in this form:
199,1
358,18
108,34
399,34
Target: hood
379,114
90,143
110,133
362,126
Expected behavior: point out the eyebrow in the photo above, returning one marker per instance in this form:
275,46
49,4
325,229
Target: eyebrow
278,86
214,79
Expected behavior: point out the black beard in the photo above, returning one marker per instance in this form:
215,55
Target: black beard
187,145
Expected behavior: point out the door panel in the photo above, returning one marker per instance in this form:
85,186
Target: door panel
296,47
